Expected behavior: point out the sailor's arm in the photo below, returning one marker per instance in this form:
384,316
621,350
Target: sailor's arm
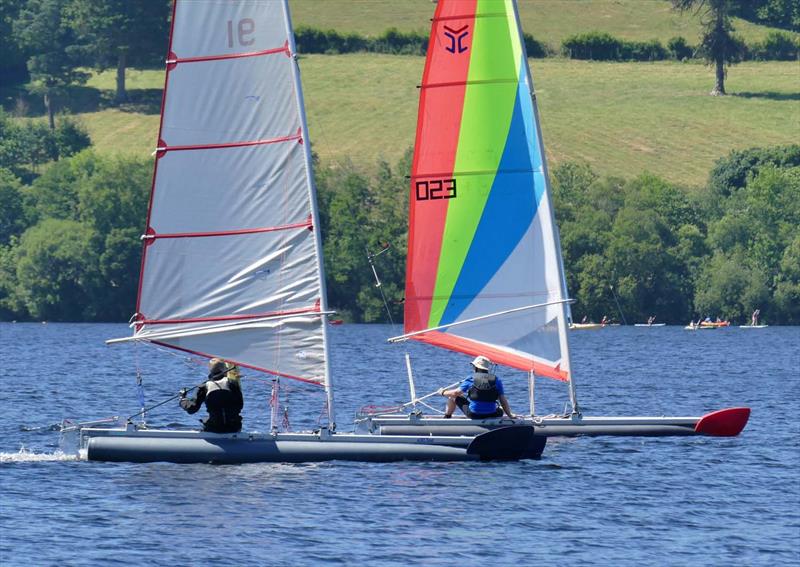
452,393
191,406
505,406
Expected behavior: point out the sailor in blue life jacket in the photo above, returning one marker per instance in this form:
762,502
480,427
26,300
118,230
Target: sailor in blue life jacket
222,395
477,396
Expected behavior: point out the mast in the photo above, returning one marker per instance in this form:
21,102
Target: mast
563,330
312,194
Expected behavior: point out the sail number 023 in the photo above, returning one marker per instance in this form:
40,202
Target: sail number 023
244,28
435,189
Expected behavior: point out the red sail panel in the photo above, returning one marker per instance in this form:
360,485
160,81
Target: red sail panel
447,62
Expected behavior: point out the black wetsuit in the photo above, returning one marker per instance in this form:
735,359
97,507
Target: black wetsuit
224,402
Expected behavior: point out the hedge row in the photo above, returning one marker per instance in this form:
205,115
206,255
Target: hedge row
599,46
315,40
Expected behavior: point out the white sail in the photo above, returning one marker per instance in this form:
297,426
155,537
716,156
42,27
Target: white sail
232,258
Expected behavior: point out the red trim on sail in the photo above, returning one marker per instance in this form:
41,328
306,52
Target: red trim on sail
434,150
284,49
165,148
155,165
273,372
297,311
497,355
154,236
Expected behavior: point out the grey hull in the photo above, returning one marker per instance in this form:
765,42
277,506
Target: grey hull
263,451
129,445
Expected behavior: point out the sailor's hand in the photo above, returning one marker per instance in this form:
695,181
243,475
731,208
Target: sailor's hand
440,391
183,393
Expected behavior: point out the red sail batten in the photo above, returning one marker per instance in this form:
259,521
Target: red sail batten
155,236
163,148
229,317
284,49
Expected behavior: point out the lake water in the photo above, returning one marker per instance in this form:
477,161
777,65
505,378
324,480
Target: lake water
599,501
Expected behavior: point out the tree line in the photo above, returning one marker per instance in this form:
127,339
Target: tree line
70,248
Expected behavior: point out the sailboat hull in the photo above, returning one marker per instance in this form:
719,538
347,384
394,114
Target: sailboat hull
723,423
129,445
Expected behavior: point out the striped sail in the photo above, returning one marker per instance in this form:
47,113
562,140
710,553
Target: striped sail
484,273
232,263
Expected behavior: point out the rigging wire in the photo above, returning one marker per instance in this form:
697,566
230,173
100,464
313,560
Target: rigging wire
622,316
378,282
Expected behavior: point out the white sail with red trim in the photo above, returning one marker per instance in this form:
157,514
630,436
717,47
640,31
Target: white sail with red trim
232,258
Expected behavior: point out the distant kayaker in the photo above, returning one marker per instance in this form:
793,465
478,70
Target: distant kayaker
222,395
478,395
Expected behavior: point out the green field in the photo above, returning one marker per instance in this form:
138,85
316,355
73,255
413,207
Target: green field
548,20
622,118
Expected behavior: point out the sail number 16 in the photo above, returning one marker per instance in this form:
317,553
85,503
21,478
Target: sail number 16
244,28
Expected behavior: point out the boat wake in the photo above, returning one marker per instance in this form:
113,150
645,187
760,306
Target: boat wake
26,456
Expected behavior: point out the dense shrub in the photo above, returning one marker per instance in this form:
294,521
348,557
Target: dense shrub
679,49
536,48
731,172
643,50
777,46
27,144
598,46
397,42
314,40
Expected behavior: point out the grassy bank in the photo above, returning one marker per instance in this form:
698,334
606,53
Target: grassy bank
620,117
548,20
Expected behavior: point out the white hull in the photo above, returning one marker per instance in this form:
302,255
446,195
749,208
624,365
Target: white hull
722,423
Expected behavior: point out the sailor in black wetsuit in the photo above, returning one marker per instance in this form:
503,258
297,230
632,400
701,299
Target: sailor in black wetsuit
223,398
478,395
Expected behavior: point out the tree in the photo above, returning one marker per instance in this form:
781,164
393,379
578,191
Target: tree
717,44
43,30
12,59
121,33
12,213
56,270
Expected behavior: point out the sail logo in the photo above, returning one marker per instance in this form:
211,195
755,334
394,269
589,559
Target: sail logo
456,37
435,189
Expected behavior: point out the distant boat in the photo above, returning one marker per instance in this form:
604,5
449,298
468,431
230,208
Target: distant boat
753,326
650,325
336,321
715,324
585,326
